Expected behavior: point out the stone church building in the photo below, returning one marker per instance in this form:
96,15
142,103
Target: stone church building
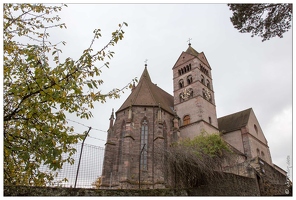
150,119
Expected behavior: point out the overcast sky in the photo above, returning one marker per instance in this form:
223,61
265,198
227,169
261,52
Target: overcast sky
246,72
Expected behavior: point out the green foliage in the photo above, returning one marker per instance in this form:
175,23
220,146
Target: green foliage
211,145
263,20
37,95
194,161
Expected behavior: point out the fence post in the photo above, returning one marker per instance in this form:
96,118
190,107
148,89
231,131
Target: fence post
80,156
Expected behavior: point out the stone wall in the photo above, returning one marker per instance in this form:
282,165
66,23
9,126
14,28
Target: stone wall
270,189
229,185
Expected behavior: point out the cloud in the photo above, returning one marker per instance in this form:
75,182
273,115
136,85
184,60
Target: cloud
280,142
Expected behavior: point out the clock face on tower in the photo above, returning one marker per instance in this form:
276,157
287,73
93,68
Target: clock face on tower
186,93
208,94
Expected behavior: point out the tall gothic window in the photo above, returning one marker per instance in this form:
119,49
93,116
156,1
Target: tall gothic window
144,141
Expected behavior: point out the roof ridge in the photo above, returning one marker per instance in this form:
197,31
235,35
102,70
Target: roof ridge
150,89
145,78
236,113
136,92
145,74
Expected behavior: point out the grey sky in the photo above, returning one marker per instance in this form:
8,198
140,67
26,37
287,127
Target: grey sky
246,72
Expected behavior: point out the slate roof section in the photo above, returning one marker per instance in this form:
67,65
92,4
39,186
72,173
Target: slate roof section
147,93
234,121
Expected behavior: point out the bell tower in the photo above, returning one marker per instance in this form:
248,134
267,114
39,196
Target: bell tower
194,100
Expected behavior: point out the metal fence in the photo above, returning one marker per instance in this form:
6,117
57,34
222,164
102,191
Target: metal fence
90,168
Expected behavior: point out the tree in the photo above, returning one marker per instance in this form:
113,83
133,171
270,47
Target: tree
39,90
192,162
97,183
264,20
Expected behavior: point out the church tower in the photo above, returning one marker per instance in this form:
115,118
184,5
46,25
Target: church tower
194,100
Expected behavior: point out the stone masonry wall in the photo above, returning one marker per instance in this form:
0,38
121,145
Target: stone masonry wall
230,185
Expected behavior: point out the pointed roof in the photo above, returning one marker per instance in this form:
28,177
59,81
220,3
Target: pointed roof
193,54
147,93
234,121
192,51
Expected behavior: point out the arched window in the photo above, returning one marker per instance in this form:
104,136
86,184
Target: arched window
186,120
262,154
189,79
210,120
202,79
191,93
208,84
256,129
144,144
185,70
258,152
189,66
204,93
181,83
182,71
